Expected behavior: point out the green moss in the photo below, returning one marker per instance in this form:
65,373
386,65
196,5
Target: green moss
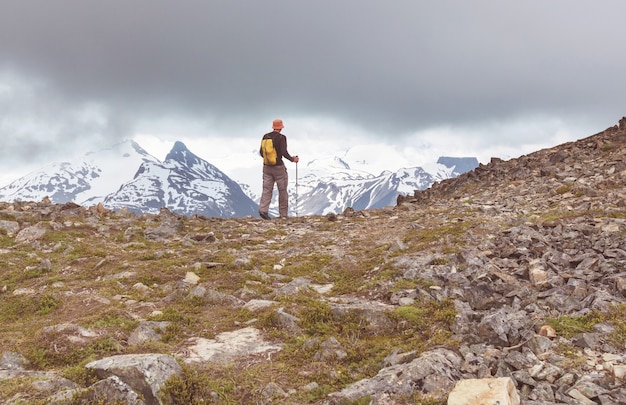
46,304
192,387
568,326
384,273
22,308
426,324
173,333
316,318
170,314
5,216
273,233
617,214
25,388
112,319
607,148
451,232
311,266
53,350
572,356
403,284
415,316
617,317
564,189
555,215
5,241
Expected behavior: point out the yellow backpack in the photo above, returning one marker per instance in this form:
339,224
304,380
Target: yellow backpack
269,151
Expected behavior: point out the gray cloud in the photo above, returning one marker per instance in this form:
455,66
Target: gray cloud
38,124
394,67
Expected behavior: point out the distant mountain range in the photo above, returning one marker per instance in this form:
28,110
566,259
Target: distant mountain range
126,176
331,185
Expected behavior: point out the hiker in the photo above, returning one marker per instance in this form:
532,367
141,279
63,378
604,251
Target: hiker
273,149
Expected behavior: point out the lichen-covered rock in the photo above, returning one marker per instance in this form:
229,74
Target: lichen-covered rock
434,372
144,373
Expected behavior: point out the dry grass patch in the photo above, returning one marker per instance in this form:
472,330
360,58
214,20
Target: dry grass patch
449,233
21,308
5,241
21,390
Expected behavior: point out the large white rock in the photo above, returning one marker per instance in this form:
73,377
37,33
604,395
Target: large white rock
227,346
485,391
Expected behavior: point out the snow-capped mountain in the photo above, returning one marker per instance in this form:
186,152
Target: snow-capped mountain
126,176
331,186
86,180
185,184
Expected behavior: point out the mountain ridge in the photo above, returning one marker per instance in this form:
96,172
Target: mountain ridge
126,176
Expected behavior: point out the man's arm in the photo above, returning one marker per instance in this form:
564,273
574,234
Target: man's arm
283,151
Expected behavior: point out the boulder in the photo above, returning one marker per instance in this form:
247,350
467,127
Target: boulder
144,373
484,391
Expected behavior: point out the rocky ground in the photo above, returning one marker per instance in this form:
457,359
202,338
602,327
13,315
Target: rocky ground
515,270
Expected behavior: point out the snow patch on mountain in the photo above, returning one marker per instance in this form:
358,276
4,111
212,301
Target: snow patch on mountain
86,181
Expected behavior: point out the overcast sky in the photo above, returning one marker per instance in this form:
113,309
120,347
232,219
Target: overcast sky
424,78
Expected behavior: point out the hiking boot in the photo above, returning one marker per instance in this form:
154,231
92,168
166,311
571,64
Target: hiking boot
264,215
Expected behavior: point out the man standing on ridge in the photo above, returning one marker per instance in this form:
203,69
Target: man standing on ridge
273,149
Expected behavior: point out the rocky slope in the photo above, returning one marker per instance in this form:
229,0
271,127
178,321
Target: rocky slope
514,270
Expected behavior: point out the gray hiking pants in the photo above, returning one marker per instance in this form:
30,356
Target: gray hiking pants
278,175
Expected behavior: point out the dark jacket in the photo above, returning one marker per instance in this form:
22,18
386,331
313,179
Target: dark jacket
280,144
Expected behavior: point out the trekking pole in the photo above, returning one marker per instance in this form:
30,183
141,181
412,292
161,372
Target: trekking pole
296,189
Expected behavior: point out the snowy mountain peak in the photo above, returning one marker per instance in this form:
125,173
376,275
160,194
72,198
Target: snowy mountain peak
185,184
331,162
187,160
86,180
180,153
179,146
